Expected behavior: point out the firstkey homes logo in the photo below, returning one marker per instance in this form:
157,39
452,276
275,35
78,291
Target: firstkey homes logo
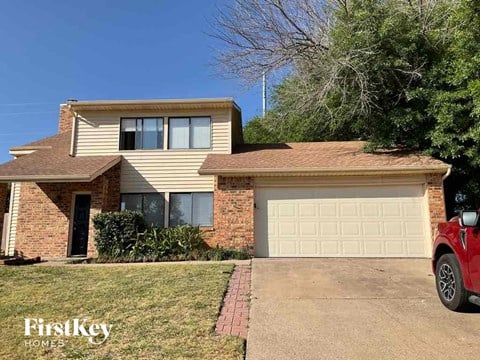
53,334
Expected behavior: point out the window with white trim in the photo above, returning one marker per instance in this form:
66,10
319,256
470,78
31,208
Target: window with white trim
189,133
141,133
152,205
194,209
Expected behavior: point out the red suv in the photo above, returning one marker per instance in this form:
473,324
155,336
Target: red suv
456,260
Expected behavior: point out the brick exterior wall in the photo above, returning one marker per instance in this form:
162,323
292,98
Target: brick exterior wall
45,209
65,119
3,204
233,214
43,227
436,200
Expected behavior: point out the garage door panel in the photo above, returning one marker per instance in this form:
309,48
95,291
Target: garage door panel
414,228
307,210
286,210
288,247
308,228
388,221
369,209
330,248
391,209
371,228
287,228
393,228
328,210
350,228
415,248
272,228
395,247
351,248
328,228
348,209
308,247
374,247
412,210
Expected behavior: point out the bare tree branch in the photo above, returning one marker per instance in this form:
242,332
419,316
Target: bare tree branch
265,35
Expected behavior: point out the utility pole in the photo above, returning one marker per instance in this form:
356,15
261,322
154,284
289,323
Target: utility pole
264,91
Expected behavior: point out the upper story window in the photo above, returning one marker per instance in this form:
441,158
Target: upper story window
141,133
189,133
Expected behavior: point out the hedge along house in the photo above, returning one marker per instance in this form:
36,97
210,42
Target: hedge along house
184,162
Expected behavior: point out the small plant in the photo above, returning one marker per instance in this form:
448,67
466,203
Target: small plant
218,253
160,243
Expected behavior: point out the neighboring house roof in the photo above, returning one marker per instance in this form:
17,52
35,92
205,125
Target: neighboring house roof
51,162
344,157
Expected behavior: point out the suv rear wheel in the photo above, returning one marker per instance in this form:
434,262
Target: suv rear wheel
450,288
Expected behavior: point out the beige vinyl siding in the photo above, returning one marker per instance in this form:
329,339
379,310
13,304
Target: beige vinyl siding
97,136
153,170
147,171
13,217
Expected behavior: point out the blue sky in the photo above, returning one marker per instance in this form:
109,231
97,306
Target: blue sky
99,49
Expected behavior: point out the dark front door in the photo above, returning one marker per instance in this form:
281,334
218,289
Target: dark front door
80,225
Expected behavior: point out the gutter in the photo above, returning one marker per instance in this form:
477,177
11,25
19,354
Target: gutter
447,174
327,171
46,178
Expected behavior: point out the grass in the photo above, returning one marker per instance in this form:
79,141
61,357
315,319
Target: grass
157,311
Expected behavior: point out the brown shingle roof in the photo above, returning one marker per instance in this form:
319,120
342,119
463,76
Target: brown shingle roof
45,142
53,163
317,157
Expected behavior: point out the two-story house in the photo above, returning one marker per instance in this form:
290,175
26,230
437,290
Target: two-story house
184,162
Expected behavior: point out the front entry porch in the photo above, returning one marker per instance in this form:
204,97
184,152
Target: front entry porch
54,219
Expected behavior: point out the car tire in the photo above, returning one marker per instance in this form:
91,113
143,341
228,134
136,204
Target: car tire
450,287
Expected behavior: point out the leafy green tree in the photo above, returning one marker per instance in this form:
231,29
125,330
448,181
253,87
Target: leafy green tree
258,131
397,73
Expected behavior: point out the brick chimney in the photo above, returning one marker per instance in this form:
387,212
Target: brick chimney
65,119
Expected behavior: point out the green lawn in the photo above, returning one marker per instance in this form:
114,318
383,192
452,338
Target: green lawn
157,311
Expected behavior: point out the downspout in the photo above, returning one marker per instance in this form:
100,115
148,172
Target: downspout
447,174
74,131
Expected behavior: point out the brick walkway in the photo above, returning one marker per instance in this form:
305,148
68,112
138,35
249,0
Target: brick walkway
233,319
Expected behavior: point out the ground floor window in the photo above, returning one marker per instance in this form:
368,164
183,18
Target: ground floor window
151,204
191,208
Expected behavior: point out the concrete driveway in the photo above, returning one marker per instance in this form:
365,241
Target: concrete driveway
354,309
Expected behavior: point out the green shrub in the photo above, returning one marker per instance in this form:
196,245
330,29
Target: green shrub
116,232
161,243
124,237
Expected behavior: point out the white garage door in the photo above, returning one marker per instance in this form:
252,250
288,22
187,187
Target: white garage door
362,221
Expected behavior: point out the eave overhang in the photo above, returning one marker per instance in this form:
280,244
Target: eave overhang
153,105
353,171
60,178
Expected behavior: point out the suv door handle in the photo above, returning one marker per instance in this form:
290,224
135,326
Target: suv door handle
463,238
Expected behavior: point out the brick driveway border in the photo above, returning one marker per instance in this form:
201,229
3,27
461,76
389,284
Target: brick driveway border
233,319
